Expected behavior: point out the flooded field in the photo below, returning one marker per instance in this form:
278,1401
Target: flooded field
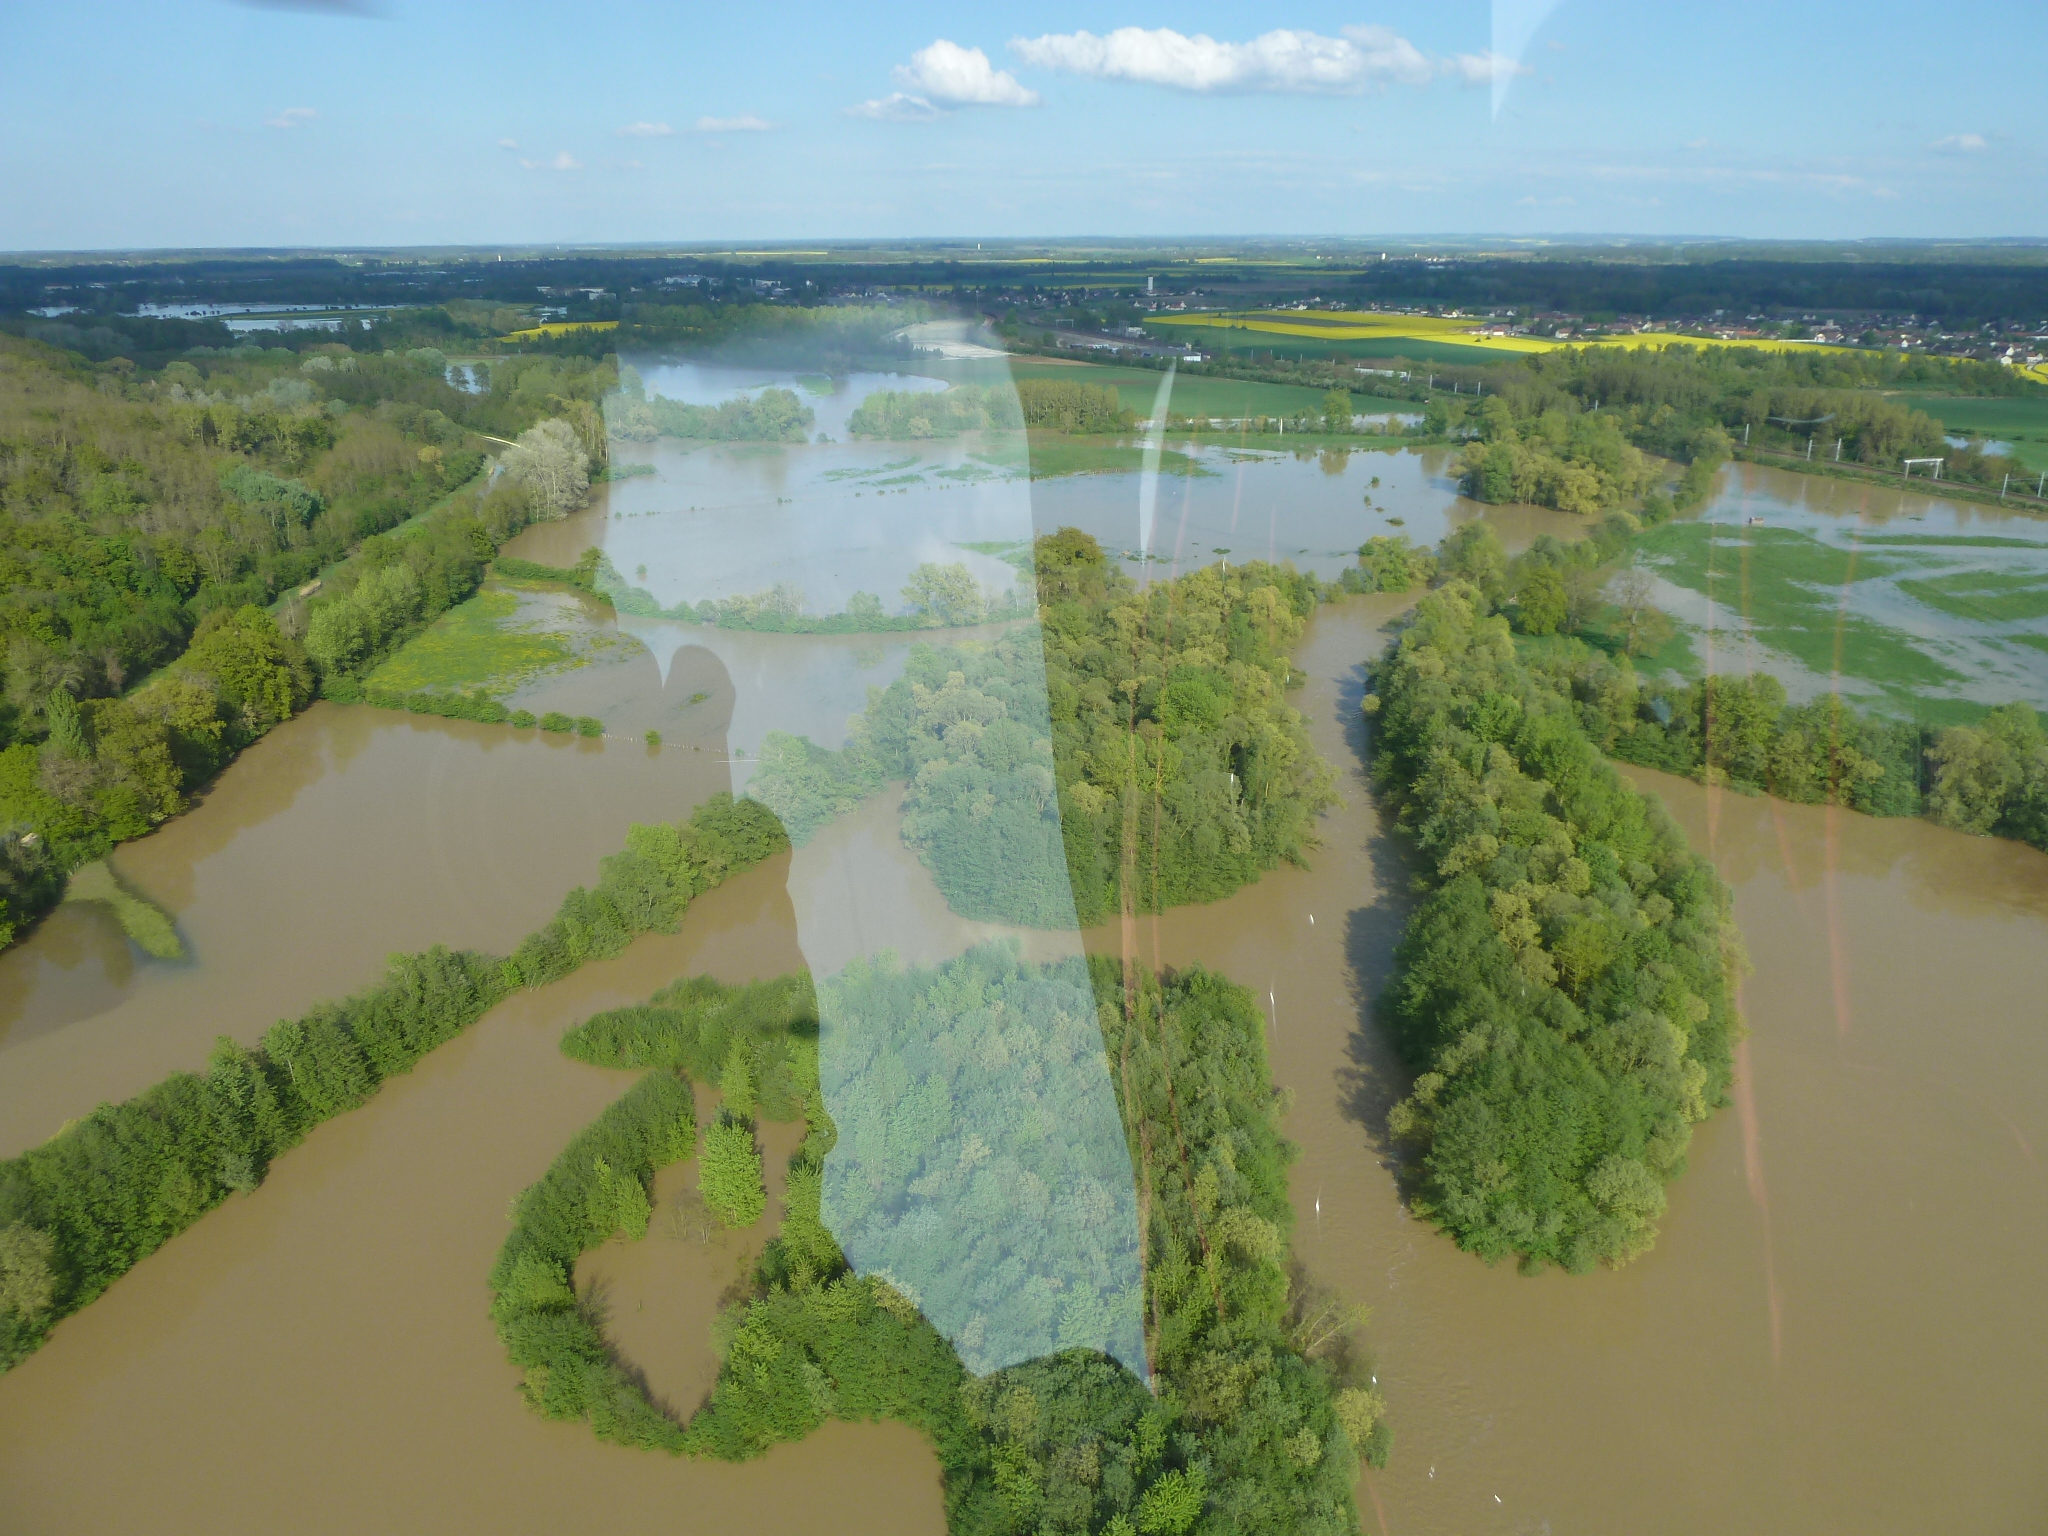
1887,594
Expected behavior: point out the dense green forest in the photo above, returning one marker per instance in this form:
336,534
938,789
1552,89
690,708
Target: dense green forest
1259,1405
79,1211
1562,989
1135,745
148,518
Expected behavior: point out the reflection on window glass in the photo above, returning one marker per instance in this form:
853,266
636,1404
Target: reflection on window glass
890,774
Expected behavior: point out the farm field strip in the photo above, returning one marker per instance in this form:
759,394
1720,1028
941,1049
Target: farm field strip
1350,326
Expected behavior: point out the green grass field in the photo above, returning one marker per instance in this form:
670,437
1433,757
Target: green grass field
2019,420
475,645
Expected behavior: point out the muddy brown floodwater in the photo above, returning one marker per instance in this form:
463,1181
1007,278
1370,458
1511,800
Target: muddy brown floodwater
1839,1329
344,835
316,1357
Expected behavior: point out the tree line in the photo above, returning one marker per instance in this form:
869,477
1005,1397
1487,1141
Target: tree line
936,597
903,413
79,1211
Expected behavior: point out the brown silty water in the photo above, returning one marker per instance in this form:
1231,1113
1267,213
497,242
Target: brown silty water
1838,1329
317,1356
346,834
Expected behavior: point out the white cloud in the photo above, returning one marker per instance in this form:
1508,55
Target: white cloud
508,143
563,161
645,131
745,123
292,117
1276,61
1482,68
1960,144
896,107
947,72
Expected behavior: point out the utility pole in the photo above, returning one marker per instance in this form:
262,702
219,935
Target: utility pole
1838,450
2002,485
1745,434
1809,450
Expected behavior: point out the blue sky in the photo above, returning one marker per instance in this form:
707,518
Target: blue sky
376,122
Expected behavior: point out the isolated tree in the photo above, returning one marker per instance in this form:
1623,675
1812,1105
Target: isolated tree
1541,603
736,1081
1337,410
550,461
729,1174
948,594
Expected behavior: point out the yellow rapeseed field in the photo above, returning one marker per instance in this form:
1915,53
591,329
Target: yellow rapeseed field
560,328
1353,325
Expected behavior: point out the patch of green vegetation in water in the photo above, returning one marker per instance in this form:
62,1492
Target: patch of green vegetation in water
1989,597
1791,589
1013,552
862,471
474,645
1054,454
143,921
1953,540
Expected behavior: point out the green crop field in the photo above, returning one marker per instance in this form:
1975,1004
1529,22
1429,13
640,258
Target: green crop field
2019,420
